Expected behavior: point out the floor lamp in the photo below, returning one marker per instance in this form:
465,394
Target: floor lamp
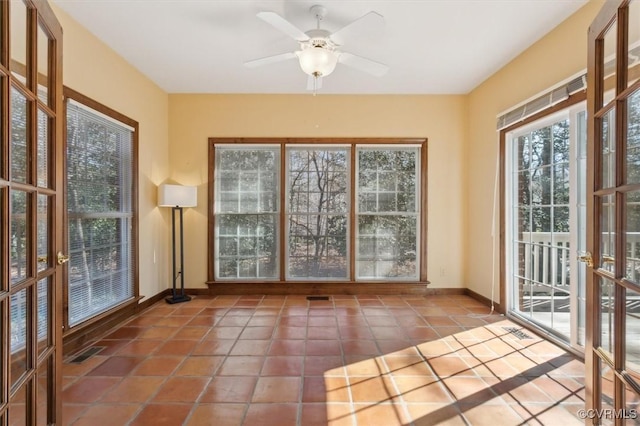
177,197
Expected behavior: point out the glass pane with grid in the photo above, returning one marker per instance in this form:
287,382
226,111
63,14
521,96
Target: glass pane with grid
540,222
317,207
246,206
20,243
19,145
388,228
100,212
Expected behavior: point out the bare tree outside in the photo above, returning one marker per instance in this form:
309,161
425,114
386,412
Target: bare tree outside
317,212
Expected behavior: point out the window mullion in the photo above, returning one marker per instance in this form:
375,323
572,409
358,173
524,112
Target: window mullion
283,209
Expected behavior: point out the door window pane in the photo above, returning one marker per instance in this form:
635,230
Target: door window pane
43,219
18,38
633,236
633,137
632,331
19,236
18,326
44,314
19,406
44,383
43,47
608,157
43,148
19,145
608,230
607,316
607,387
540,267
634,43
608,59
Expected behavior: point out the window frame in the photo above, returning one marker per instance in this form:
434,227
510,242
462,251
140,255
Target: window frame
352,145
70,94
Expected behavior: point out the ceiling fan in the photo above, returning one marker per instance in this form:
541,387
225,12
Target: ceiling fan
319,49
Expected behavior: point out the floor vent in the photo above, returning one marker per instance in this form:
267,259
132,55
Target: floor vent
518,333
88,353
317,297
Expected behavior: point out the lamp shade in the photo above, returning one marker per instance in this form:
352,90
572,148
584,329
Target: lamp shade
177,196
317,61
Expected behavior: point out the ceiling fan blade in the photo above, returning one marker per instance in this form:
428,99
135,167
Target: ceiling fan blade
283,25
314,83
371,21
270,60
363,64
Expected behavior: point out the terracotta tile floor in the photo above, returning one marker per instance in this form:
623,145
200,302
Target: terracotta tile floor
365,360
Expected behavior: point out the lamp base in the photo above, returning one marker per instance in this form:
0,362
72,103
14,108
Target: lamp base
178,298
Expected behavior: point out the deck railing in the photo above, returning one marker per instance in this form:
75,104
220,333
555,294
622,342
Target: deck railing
547,260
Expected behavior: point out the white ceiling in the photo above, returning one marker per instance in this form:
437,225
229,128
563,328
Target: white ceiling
431,46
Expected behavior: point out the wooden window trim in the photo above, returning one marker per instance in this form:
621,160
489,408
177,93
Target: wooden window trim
71,332
352,142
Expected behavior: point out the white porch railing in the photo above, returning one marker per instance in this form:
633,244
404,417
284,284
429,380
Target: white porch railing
547,260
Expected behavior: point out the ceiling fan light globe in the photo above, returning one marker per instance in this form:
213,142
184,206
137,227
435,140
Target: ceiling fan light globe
318,61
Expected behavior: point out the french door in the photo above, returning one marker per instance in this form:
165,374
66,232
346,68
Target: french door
612,354
546,164
31,207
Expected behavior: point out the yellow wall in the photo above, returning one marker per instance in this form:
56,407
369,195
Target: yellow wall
195,118
93,69
557,56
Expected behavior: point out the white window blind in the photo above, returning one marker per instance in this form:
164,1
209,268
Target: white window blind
100,212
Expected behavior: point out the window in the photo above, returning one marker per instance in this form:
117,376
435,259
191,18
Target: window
388,222
101,209
317,212
302,211
247,211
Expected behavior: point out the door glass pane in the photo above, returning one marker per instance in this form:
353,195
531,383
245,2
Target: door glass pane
632,331
43,232
634,42
608,157
607,317
633,236
607,227
607,378
42,393
633,138
19,143
44,314
18,325
19,406
43,65
19,236
18,38
609,58
581,276
43,149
